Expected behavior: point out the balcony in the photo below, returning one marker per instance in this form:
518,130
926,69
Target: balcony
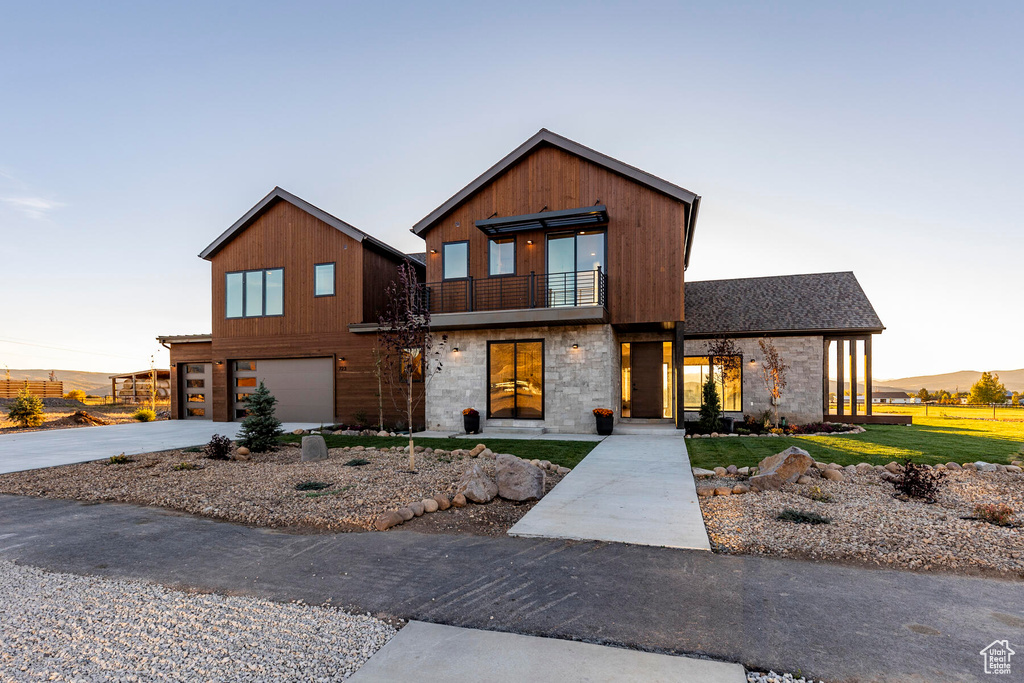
537,298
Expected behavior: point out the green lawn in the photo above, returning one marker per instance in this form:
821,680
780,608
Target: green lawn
564,453
928,440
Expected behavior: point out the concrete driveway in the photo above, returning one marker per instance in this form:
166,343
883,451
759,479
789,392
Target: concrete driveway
47,448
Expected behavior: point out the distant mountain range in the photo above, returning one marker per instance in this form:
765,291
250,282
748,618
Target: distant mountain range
1013,380
92,383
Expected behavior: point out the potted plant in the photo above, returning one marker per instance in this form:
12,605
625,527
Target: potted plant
471,420
605,420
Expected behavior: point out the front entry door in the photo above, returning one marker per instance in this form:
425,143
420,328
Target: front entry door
647,390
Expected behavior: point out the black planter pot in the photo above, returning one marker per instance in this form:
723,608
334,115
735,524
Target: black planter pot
471,423
605,424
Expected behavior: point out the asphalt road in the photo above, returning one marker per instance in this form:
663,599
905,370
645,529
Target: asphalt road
831,622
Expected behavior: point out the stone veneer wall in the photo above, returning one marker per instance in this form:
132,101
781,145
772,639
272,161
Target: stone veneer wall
575,380
801,399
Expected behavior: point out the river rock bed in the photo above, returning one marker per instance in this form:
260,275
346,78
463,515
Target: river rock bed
261,490
870,526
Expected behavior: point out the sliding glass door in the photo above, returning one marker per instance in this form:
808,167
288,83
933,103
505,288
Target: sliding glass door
575,261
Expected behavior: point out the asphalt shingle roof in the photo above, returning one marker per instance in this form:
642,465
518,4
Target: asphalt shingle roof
786,303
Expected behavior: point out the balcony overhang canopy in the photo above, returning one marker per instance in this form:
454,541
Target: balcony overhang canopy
583,217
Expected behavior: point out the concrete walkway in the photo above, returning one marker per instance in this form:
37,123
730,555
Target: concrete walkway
432,652
629,489
50,447
832,622
482,438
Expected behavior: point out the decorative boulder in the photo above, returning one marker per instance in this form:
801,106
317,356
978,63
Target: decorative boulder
442,501
477,450
832,475
700,472
983,466
429,505
388,520
382,433
314,448
242,450
417,508
705,492
405,513
459,501
720,472
740,489
723,491
476,486
781,468
518,479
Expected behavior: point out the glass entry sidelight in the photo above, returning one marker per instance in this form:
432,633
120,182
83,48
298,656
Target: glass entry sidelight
648,381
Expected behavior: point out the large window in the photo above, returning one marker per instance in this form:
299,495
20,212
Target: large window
728,375
502,256
455,260
323,279
254,293
412,360
574,260
515,379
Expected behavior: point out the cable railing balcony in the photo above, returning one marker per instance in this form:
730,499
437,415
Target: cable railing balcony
509,292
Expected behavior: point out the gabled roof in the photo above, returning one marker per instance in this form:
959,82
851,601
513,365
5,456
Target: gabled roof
277,195
819,303
546,137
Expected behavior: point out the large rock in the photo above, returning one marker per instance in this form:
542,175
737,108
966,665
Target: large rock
781,468
388,520
983,466
476,486
518,479
313,448
832,475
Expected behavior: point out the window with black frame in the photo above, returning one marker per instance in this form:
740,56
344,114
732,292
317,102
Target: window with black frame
515,379
254,293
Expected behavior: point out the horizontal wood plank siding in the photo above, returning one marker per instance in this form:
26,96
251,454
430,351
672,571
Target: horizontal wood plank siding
645,230
10,388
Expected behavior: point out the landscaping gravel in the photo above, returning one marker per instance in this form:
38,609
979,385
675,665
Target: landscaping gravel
870,526
71,628
772,677
261,491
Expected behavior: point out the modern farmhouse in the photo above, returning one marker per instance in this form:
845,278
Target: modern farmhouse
557,276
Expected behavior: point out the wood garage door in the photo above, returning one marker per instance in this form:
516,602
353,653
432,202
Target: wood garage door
196,385
303,387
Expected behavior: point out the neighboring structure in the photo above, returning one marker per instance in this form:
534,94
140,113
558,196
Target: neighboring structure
901,397
137,387
558,278
288,280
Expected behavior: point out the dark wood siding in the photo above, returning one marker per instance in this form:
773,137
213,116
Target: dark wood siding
287,237
645,230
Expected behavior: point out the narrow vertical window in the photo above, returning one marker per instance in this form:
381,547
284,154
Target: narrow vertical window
324,279
455,256
516,379
274,292
254,293
233,303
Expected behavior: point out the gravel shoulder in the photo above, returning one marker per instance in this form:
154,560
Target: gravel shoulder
66,627
871,527
58,414
261,491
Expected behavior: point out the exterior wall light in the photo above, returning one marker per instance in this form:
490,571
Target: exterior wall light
575,346
529,241
455,349
433,251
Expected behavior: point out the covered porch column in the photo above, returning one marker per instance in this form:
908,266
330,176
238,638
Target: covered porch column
846,352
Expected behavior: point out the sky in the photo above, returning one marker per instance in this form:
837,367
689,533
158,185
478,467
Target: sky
882,138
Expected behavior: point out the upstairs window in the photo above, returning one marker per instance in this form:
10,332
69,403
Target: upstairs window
323,276
455,260
502,256
254,293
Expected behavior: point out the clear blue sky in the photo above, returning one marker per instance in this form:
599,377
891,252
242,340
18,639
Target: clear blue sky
880,138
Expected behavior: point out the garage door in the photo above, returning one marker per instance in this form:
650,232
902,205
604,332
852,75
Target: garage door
303,387
196,383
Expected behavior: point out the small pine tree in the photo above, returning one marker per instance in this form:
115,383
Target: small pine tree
26,410
260,428
710,406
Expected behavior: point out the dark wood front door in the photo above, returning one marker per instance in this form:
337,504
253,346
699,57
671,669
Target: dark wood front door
646,359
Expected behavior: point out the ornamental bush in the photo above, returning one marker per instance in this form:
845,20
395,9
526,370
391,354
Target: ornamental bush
711,407
144,415
26,410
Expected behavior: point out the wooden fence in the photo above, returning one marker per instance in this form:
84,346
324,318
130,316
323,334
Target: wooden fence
9,388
